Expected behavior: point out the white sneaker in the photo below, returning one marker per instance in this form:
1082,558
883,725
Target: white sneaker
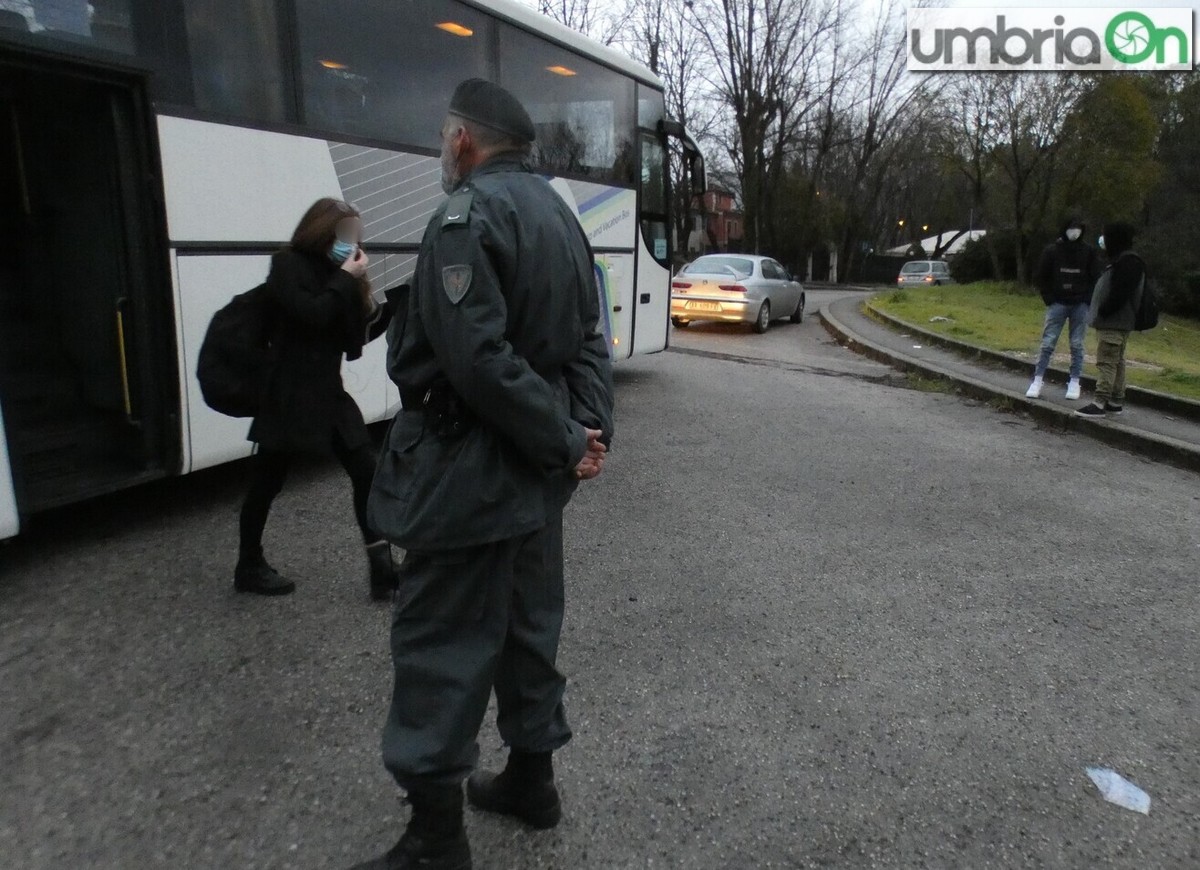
1072,390
1035,389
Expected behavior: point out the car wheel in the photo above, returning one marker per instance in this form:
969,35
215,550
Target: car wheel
798,314
763,323
679,323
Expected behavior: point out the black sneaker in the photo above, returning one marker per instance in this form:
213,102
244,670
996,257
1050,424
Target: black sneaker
1110,408
261,579
1090,410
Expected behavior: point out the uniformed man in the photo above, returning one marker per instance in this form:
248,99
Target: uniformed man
506,385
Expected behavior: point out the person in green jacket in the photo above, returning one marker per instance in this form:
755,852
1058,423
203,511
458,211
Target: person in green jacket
1113,314
506,385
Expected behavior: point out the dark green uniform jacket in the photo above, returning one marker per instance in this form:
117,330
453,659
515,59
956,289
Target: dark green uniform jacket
504,311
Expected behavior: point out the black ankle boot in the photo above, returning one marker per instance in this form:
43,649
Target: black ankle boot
525,790
435,838
383,570
254,575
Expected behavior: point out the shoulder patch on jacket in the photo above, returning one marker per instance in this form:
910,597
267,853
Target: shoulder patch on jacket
456,281
458,209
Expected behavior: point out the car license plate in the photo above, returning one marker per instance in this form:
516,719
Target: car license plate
704,306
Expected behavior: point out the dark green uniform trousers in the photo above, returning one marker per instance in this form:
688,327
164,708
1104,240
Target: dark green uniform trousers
466,621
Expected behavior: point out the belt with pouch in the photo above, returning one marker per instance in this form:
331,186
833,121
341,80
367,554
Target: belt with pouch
446,415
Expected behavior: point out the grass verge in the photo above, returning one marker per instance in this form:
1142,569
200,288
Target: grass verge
1008,317
922,384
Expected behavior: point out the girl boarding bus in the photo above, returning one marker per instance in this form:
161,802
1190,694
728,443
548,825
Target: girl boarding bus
155,153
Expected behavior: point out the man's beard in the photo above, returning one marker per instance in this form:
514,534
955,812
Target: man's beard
449,175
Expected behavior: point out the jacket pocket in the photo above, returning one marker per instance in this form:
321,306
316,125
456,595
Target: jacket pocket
391,488
432,495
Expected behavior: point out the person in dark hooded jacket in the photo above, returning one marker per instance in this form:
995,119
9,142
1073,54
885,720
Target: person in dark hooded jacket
1113,315
1066,274
322,309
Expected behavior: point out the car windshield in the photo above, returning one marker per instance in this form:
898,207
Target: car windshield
918,266
738,266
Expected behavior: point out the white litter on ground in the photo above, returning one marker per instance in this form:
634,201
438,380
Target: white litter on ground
1115,789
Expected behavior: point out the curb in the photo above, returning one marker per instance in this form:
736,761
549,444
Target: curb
1159,447
1168,404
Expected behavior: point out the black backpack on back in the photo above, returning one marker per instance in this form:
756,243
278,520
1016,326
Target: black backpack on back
233,356
1146,315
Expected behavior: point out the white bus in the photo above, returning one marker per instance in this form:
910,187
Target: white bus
154,153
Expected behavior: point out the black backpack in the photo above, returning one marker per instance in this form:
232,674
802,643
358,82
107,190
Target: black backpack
233,356
1146,316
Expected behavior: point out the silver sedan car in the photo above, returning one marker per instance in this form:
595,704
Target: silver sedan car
736,288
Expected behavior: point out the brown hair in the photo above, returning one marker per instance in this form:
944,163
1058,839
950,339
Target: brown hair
317,231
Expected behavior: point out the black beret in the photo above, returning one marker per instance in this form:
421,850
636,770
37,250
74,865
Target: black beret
492,106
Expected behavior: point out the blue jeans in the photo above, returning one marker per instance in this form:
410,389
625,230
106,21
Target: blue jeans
1056,317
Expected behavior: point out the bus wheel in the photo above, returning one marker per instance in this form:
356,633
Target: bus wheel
679,324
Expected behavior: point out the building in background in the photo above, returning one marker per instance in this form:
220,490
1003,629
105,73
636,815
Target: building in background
722,221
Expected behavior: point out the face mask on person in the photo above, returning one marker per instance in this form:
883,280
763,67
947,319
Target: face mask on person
1100,243
341,251
1073,234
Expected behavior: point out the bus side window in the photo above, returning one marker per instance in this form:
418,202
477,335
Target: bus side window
385,69
236,62
584,114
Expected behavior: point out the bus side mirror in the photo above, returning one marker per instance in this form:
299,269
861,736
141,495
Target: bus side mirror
691,153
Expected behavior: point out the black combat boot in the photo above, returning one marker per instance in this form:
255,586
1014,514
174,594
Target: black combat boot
435,838
253,574
525,790
383,570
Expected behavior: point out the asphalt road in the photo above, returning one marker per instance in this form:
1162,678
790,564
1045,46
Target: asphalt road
815,619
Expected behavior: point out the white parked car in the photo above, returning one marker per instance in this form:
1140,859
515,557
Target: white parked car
923,273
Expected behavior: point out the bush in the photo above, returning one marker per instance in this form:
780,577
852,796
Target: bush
1172,261
1180,295
974,262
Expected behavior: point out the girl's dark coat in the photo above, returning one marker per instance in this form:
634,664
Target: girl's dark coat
318,317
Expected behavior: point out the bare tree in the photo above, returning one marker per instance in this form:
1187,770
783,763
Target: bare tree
880,110
767,69
602,21
968,134
1030,110
658,36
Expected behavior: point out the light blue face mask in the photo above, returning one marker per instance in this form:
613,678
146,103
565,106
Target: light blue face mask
340,251
1100,243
